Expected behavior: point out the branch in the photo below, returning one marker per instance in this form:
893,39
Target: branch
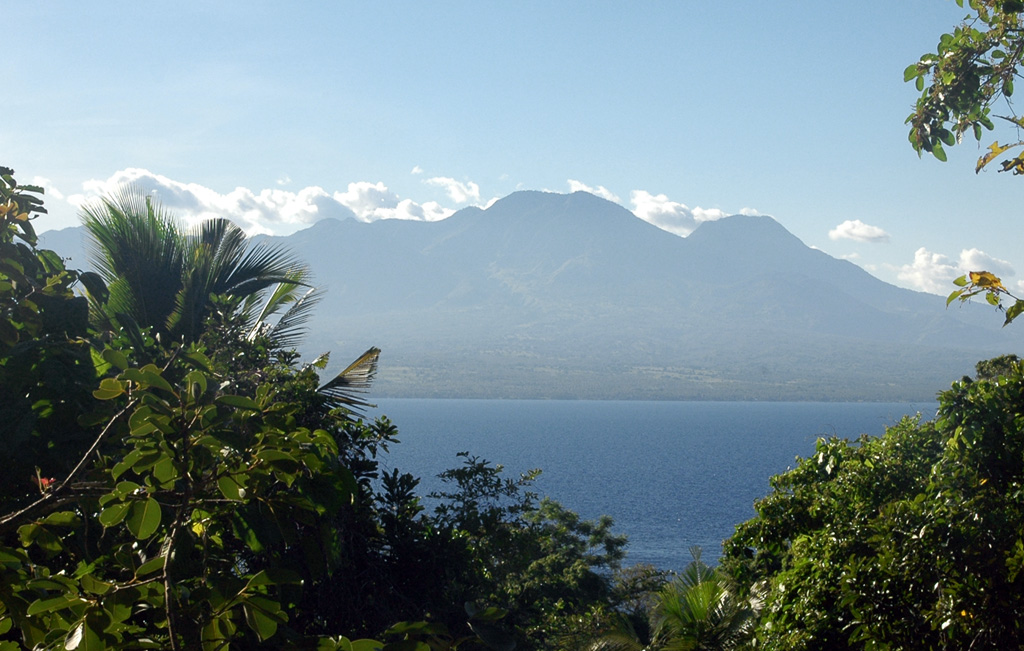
53,494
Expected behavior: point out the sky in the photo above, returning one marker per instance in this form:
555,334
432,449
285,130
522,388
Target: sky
279,114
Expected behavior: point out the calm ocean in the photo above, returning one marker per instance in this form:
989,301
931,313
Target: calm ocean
671,474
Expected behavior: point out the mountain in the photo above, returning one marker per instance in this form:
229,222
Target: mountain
545,295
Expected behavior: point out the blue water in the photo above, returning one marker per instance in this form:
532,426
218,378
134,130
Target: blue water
671,474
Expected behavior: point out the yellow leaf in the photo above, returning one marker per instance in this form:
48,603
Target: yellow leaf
986,280
993,150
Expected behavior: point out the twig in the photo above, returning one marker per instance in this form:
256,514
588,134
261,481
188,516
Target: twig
7,519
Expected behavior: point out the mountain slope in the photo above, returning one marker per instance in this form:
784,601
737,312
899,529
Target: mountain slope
546,295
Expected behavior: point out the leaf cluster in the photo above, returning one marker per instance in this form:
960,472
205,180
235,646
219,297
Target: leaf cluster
973,68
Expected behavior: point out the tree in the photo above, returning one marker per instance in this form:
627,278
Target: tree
697,610
162,276
909,540
45,365
962,84
198,493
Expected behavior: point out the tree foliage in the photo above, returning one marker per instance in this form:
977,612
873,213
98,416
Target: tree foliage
697,610
163,276
909,540
967,84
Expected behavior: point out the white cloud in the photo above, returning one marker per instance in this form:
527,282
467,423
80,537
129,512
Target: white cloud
855,229
458,191
930,272
601,191
416,170
668,215
975,260
934,272
284,180
750,212
272,211
49,190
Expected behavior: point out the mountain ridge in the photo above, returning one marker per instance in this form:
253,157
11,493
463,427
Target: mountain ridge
545,295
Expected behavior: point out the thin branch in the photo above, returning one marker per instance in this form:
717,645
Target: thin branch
51,495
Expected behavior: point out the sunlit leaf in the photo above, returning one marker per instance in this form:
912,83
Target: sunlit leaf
986,280
143,518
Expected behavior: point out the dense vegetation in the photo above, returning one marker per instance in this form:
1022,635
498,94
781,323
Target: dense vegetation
912,540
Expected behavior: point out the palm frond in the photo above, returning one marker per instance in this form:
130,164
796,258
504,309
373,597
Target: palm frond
291,327
345,389
136,247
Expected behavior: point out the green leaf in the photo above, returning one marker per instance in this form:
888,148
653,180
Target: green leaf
263,624
423,628
93,585
164,470
109,388
274,576
961,281
230,488
113,515
143,518
241,402
125,488
196,382
199,359
83,638
150,566
938,152
910,72
148,376
115,358
273,455
63,519
1014,311
51,604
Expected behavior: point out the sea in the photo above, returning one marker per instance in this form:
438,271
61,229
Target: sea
671,474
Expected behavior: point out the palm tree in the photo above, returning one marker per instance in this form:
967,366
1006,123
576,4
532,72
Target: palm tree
694,611
162,276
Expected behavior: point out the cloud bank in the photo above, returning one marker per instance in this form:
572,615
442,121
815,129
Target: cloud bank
272,211
281,211
600,191
934,272
671,216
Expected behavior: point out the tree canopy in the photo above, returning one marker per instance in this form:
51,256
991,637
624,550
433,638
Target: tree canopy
906,541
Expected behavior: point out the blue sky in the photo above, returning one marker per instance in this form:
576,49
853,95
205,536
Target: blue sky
278,114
